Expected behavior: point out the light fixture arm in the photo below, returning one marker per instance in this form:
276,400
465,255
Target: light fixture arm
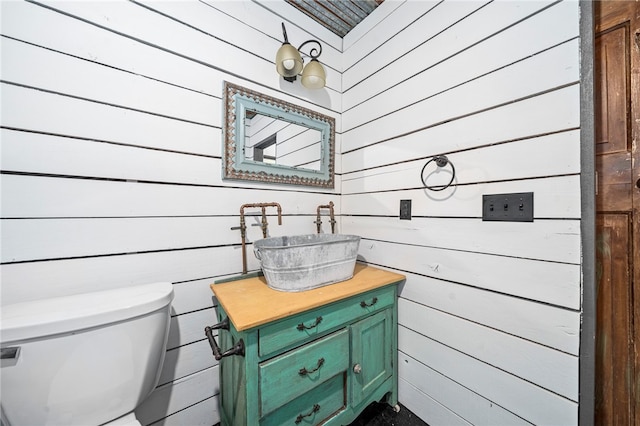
284,34
318,51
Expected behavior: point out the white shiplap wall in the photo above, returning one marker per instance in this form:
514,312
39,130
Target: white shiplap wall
490,312
111,151
111,161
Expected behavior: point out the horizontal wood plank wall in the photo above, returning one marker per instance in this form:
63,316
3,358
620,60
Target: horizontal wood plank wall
490,312
111,161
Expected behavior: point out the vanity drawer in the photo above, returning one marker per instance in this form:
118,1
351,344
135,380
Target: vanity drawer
283,378
311,324
312,408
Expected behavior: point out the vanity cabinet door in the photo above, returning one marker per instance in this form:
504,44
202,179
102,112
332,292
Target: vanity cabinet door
371,354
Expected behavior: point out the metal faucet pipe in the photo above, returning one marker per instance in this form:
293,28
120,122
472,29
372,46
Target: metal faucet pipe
243,226
318,222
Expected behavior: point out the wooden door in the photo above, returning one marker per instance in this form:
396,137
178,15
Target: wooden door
617,102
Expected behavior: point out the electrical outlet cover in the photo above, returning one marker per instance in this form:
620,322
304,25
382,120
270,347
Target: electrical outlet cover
405,209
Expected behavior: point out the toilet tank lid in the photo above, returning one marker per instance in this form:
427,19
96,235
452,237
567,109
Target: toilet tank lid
40,318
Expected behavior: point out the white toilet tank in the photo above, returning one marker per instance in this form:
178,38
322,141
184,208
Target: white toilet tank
85,359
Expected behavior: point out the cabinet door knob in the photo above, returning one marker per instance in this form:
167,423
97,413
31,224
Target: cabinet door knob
357,369
638,183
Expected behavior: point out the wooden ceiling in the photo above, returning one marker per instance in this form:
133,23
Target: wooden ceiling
339,16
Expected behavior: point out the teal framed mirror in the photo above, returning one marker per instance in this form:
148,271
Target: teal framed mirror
270,140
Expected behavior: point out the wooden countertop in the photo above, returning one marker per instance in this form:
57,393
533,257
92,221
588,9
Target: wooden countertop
250,302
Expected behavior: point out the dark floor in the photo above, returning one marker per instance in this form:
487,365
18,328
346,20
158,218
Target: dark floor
381,414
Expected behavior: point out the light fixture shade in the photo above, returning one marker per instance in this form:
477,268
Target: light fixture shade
313,75
288,61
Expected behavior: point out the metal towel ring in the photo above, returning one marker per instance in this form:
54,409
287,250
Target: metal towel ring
441,161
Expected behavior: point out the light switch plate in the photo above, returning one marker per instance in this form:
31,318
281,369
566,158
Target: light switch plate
515,207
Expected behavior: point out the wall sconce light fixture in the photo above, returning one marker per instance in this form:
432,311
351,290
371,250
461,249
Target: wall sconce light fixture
289,63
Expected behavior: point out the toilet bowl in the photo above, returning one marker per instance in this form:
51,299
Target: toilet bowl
86,359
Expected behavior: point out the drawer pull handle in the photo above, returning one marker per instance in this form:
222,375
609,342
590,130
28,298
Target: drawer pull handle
303,371
365,304
300,417
302,327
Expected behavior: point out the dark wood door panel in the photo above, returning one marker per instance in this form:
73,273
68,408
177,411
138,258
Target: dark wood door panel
614,182
614,351
612,94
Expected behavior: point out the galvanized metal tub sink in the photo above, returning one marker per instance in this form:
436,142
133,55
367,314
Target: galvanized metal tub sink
302,262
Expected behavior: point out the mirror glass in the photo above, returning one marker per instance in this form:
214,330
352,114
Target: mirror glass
270,140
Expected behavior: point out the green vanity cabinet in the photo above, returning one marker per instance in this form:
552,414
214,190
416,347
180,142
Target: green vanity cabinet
314,357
